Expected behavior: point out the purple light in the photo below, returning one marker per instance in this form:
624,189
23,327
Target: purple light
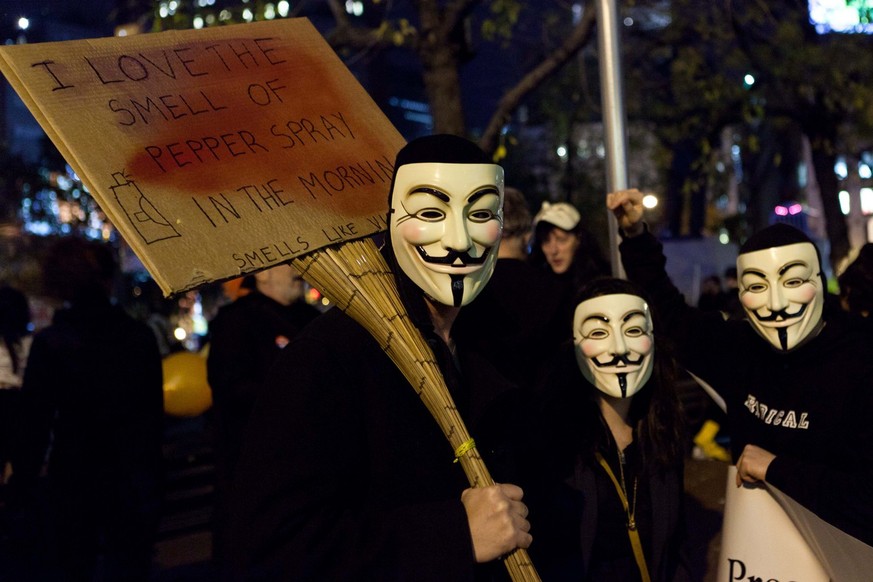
795,209
781,211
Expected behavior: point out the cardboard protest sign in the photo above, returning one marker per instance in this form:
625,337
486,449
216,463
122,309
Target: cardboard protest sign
215,152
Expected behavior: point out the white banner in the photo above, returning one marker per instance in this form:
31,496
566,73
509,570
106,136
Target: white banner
759,540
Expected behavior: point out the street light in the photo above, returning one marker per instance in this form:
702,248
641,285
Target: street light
650,201
23,23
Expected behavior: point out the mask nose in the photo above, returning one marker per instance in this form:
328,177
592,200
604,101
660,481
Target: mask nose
456,237
619,347
777,299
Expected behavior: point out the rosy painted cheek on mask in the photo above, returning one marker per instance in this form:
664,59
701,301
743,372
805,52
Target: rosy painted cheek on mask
493,231
589,350
486,234
752,301
805,293
416,233
644,346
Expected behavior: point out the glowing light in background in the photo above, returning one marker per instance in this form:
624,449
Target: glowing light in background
844,202
650,201
867,200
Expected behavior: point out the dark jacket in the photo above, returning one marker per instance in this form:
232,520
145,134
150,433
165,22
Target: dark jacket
344,474
565,548
810,406
94,388
93,397
516,317
245,338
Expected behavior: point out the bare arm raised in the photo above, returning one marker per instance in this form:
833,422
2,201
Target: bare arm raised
627,206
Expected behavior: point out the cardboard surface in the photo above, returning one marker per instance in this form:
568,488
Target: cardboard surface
844,557
215,152
760,541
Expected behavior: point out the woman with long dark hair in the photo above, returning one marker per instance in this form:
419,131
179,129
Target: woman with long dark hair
606,504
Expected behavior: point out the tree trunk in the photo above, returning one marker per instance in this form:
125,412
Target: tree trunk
835,222
443,87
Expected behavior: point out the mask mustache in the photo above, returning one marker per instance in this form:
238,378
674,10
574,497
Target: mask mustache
452,256
619,359
781,315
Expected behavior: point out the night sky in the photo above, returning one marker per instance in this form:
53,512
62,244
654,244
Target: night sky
92,16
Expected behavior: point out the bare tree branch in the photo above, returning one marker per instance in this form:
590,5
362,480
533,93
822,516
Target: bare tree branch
510,101
455,12
346,34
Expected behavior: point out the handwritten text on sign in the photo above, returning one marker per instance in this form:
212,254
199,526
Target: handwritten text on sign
215,152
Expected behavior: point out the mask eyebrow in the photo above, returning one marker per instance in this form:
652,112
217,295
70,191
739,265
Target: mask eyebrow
631,314
754,273
483,192
791,266
596,317
432,191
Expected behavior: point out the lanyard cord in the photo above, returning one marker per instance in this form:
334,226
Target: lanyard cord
632,531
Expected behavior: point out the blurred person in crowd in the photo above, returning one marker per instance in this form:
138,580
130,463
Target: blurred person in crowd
92,398
732,307
856,283
794,375
563,247
609,506
245,338
518,307
15,329
713,299
711,295
343,474
158,313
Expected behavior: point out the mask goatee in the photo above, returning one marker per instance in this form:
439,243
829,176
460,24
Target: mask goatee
457,289
622,384
783,337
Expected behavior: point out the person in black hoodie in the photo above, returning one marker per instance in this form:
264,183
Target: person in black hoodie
795,376
343,474
92,398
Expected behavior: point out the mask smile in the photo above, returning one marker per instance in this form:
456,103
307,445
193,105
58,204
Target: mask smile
454,262
619,361
782,316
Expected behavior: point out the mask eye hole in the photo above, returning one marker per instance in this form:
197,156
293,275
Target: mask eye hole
792,283
756,288
482,215
634,332
597,334
430,215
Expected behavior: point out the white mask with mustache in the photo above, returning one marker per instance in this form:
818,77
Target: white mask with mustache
446,222
782,292
614,343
